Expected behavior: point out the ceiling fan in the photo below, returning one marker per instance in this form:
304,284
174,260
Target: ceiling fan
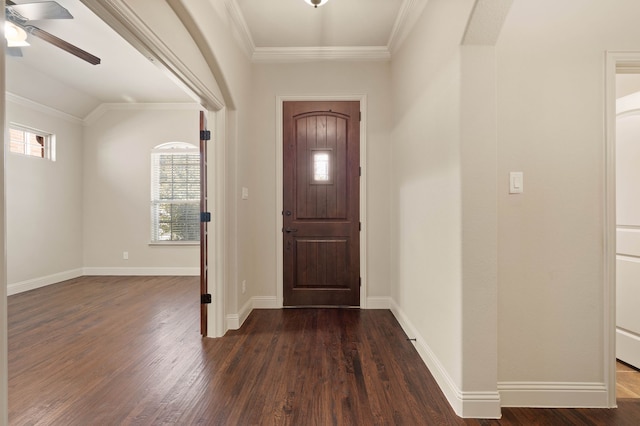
20,15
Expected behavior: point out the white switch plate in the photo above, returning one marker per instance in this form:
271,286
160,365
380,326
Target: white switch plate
516,182
245,193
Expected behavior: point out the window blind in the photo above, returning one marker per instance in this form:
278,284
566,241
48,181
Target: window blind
175,193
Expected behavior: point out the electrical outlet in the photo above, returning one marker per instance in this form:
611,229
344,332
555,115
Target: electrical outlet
244,286
125,255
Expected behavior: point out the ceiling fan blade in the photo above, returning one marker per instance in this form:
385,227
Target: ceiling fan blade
39,11
58,42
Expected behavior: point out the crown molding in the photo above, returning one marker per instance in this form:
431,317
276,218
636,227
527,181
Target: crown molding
409,12
113,106
303,54
241,28
628,68
28,103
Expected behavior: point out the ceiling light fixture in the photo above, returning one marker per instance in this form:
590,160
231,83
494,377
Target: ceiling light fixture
316,3
15,35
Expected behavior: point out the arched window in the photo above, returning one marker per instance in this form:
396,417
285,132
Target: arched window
175,193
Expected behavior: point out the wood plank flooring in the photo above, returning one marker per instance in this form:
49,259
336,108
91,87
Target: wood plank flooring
627,381
127,350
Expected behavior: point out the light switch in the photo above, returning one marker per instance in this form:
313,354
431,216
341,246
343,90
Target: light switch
516,183
245,193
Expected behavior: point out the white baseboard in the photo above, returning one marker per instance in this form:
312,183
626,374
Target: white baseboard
553,394
378,303
32,284
244,312
157,271
481,405
265,302
235,321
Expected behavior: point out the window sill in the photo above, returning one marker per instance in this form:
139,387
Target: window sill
174,243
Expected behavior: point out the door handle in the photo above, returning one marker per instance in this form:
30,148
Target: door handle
289,230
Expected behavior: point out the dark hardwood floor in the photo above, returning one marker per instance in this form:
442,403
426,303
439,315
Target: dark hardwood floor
127,350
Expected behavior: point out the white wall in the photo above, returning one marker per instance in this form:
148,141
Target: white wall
426,189
478,158
44,203
309,79
116,189
551,261
48,91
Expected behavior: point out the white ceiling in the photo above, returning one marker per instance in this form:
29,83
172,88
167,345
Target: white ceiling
276,30
270,30
293,23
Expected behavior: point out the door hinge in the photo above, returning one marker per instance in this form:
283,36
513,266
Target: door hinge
360,171
205,135
360,116
360,281
205,216
359,226
205,299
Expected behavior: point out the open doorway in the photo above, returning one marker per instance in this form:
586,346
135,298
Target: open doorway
627,166
49,248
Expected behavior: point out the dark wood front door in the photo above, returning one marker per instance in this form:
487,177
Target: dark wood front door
321,212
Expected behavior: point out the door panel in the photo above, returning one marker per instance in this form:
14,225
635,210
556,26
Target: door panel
321,203
204,240
322,263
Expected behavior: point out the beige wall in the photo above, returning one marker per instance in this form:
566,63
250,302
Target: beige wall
550,122
116,190
44,202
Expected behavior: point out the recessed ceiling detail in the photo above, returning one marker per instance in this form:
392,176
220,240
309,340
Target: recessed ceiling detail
290,30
